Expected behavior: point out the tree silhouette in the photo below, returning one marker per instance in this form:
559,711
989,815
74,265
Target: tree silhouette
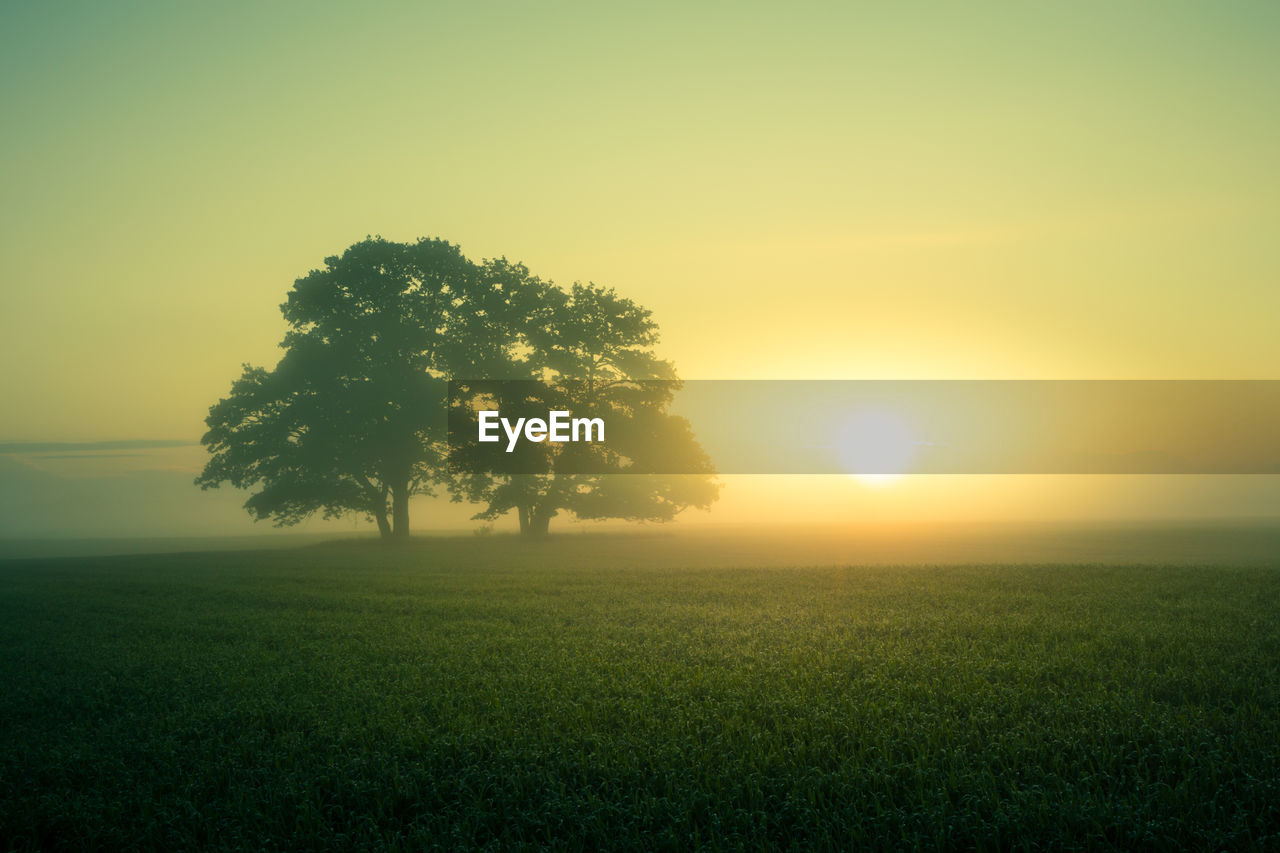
589,351
352,418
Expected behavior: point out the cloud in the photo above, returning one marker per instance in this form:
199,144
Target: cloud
81,456
24,447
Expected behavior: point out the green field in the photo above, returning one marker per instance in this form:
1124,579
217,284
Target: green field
600,692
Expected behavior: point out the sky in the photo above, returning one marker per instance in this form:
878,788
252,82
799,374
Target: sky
808,191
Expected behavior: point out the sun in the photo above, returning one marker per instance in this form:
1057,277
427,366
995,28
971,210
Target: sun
876,446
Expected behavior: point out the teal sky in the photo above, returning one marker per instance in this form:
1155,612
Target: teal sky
841,190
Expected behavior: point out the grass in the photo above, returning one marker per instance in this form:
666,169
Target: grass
598,692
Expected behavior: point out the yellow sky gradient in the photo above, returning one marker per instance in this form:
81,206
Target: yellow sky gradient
806,191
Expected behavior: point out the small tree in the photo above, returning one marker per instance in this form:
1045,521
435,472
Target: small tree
589,351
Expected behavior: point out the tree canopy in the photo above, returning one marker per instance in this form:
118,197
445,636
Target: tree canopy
590,352
353,417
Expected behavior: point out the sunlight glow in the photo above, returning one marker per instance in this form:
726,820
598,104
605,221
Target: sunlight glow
876,446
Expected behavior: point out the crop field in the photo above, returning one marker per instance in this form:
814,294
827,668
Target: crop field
605,692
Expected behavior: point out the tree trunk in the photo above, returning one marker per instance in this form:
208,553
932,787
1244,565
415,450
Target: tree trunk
523,511
538,525
377,504
400,510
